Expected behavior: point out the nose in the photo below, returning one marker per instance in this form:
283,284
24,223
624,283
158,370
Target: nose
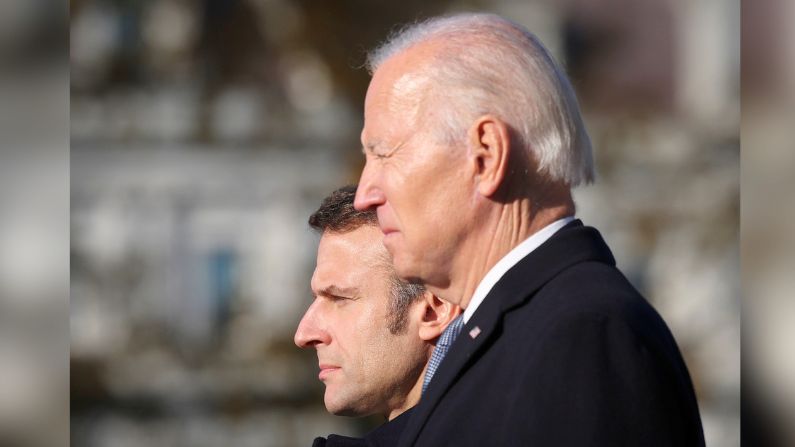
368,194
311,331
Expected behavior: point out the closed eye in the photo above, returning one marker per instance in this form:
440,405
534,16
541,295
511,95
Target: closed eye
336,293
379,152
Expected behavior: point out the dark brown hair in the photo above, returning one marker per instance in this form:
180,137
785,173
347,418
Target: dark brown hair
337,214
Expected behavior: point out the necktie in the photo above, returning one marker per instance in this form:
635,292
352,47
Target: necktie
445,340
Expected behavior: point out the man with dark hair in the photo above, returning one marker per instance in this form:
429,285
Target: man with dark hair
373,332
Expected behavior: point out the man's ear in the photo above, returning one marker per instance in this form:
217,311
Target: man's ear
489,148
436,315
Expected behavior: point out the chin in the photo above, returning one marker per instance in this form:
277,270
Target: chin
407,270
401,262
351,407
342,408
347,410
342,411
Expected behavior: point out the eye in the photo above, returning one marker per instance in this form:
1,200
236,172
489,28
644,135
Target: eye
337,299
381,152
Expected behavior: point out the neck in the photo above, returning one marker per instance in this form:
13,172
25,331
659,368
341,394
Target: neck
507,225
411,398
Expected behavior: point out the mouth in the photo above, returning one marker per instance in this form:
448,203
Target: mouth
326,370
384,221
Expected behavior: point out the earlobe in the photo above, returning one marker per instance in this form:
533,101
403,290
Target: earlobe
437,315
490,146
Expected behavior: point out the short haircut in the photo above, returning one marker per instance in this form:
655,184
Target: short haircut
336,214
489,65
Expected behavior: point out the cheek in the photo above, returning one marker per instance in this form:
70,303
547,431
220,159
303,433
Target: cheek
398,355
379,351
366,340
443,207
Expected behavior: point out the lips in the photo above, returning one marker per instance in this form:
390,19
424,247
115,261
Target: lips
326,370
382,221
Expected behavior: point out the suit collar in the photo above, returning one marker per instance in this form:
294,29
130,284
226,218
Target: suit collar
508,261
573,244
389,432
386,434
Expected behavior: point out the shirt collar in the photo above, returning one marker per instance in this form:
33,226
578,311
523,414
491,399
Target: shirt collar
509,260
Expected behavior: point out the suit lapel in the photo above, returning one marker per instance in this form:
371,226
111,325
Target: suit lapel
455,362
573,244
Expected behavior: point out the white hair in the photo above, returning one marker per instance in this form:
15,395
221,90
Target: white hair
488,64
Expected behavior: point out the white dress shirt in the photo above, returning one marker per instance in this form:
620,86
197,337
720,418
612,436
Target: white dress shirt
511,259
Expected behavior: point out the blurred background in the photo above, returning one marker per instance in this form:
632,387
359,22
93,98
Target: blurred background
204,133
34,219
768,243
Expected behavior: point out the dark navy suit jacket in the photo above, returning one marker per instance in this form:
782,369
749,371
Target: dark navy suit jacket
563,351
384,435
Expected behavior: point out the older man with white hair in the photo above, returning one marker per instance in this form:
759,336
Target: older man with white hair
473,141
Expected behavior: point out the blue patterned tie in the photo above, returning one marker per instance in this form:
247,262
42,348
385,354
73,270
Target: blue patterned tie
445,340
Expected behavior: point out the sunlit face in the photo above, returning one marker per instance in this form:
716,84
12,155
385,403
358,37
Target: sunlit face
366,368
420,186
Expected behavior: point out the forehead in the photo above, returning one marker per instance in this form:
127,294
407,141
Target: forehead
353,259
397,90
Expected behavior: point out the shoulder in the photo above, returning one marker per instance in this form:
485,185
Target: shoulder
587,303
340,441
595,291
389,432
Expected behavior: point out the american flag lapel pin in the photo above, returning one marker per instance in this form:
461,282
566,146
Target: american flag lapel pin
474,332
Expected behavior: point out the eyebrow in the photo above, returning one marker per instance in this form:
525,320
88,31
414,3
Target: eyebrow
334,290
